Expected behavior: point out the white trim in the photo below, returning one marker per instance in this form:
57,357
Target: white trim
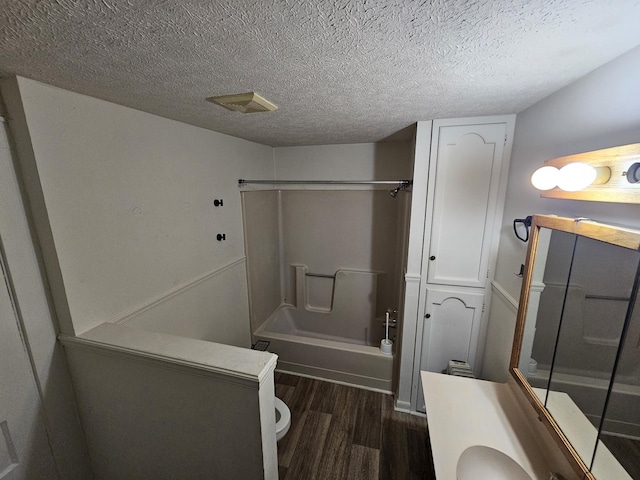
412,278
505,296
419,197
296,371
510,124
405,407
411,324
164,361
537,287
128,315
485,120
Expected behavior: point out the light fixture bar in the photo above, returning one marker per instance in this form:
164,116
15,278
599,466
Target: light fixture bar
611,183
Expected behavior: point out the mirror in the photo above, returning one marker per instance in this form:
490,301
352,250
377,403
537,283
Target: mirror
577,348
620,432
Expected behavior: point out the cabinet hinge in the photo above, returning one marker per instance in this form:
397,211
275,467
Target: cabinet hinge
505,139
483,305
488,273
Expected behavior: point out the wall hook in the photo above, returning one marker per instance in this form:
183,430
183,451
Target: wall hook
218,203
221,237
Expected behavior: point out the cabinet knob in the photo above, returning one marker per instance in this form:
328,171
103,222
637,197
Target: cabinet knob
432,257
428,315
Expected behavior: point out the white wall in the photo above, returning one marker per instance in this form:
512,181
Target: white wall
38,325
123,200
361,161
202,309
598,111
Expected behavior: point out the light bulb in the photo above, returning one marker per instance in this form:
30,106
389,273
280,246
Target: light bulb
545,178
576,176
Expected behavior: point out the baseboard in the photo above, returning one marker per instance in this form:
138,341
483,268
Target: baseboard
350,380
405,407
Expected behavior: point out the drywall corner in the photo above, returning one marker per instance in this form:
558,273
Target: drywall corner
28,171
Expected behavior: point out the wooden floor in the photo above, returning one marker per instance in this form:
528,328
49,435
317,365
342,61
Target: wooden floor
627,451
339,432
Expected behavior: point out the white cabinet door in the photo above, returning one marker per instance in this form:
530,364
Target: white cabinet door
24,449
452,322
466,165
451,328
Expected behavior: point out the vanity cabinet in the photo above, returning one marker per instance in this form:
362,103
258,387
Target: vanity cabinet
467,175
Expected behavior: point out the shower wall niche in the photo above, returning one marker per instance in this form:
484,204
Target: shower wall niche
345,248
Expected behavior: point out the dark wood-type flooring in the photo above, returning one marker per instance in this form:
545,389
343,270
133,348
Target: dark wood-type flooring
627,451
339,432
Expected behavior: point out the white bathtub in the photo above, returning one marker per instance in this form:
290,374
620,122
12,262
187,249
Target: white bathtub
305,344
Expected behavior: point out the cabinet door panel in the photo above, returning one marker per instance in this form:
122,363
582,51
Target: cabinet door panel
451,331
468,165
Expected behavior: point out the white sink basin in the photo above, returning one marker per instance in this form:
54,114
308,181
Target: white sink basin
481,462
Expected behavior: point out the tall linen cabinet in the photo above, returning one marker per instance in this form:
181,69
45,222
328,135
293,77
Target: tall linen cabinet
462,165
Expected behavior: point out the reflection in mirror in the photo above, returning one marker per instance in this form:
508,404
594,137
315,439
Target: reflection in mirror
546,295
574,330
593,311
620,430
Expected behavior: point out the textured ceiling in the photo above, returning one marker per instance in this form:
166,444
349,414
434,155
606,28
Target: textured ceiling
340,71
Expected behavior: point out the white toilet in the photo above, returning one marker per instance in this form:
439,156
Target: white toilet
283,418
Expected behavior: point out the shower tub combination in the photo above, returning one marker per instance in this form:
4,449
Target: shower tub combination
340,343
301,349
322,269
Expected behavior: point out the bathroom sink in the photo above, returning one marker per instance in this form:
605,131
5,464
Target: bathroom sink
482,462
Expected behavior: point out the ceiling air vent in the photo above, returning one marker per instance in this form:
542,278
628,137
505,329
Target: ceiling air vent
249,102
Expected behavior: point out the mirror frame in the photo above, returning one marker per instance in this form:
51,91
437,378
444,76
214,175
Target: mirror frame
623,237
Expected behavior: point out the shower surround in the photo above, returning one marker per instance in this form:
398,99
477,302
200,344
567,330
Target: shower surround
323,267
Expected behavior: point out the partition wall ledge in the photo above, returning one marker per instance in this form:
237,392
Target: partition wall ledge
225,363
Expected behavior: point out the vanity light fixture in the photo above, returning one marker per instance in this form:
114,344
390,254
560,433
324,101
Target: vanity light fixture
571,177
608,175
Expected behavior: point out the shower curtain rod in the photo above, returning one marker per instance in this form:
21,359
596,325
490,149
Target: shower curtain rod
403,183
